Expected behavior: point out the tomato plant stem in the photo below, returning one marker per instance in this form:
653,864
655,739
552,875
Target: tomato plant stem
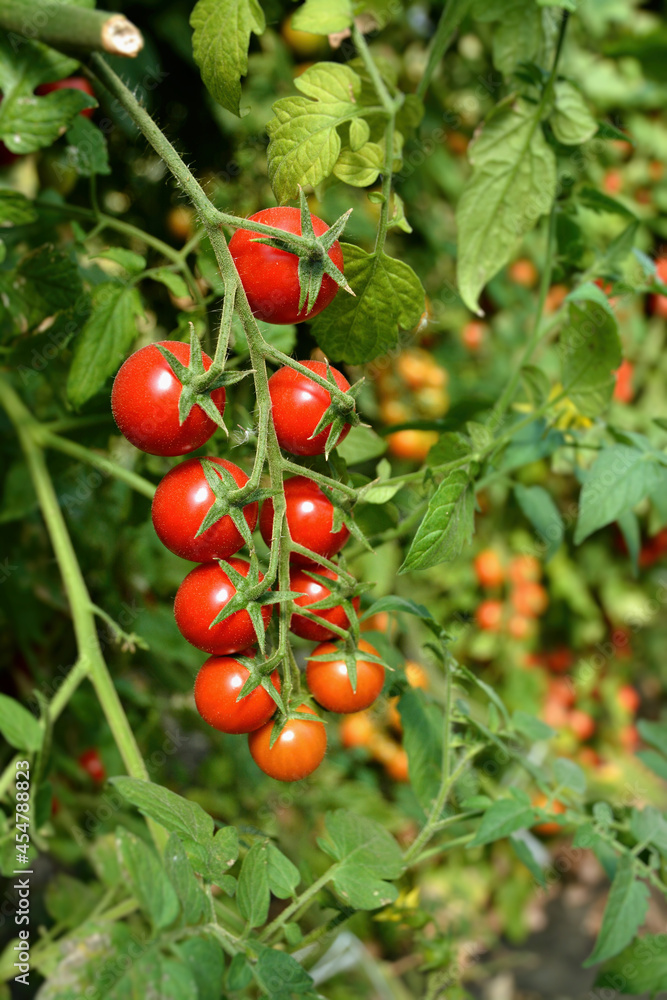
50,440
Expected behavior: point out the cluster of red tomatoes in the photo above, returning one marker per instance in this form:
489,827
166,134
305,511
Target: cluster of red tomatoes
145,403
528,599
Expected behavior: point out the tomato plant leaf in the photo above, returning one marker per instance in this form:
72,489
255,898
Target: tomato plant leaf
518,35
447,525
174,282
513,183
422,739
323,17
619,478
653,733
220,45
281,975
542,512
505,816
568,774
641,968
624,913
304,143
206,962
283,876
148,880
365,853
360,168
571,121
252,894
388,298
16,209
598,201
590,351
50,281
649,826
531,726
87,148
131,262
19,726
191,897
524,853
171,811
360,890
105,339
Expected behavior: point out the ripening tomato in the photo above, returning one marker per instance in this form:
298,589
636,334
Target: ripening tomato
270,276
217,688
299,749
412,445
554,713
303,43
561,689
623,390
309,520
181,502
523,272
559,660
396,765
313,591
628,698
70,83
418,369
297,406
555,298
416,677
629,738
550,827
473,335
330,685
357,730
659,302
489,569
520,627
92,764
524,569
201,596
181,222
144,401
490,615
581,724
612,182
530,599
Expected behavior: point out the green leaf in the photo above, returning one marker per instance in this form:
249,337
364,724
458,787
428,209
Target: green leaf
87,148
206,962
281,975
220,45
360,168
253,895
536,383
505,816
388,298
367,855
359,133
649,826
361,445
531,726
29,124
590,352
148,881
640,968
52,280
599,202
174,282
571,120
517,36
170,810
192,898
212,859
624,913
131,262
525,855
239,973
513,183
655,761
304,143
422,740
619,478
540,509
450,447
105,339
19,726
654,733
323,17
631,531
447,525
569,775
16,209
283,876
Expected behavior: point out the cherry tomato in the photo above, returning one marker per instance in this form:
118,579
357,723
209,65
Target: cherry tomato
581,724
628,698
91,762
357,730
629,738
623,390
309,519
473,335
524,569
523,272
298,404
530,599
549,828
419,369
313,591
144,400
330,684
561,689
303,43
489,569
412,445
490,615
217,687
70,83
299,749
202,594
181,502
270,276
521,627
560,660
397,766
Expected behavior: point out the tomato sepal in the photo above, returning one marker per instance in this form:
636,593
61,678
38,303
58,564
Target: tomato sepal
192,377
218,478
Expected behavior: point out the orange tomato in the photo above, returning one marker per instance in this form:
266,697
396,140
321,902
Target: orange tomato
397,765
523,272
659,302
559,660
418,368
489,569
413,446
416,675
623,390
612,182
473,335
555,298
549,828
530,599
589,757
520,627
304,44
357,730
629,738
561,690
581,724
628,698
490,615
181,222
554,713
524,569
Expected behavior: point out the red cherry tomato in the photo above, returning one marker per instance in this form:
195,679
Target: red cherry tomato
298,404
203,593
313,591
71,83
299,749
270,276
309,519
91,762
181,502
329,682
144,400
217,687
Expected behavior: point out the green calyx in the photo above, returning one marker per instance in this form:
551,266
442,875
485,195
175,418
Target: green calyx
341,411
252,594
223,486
